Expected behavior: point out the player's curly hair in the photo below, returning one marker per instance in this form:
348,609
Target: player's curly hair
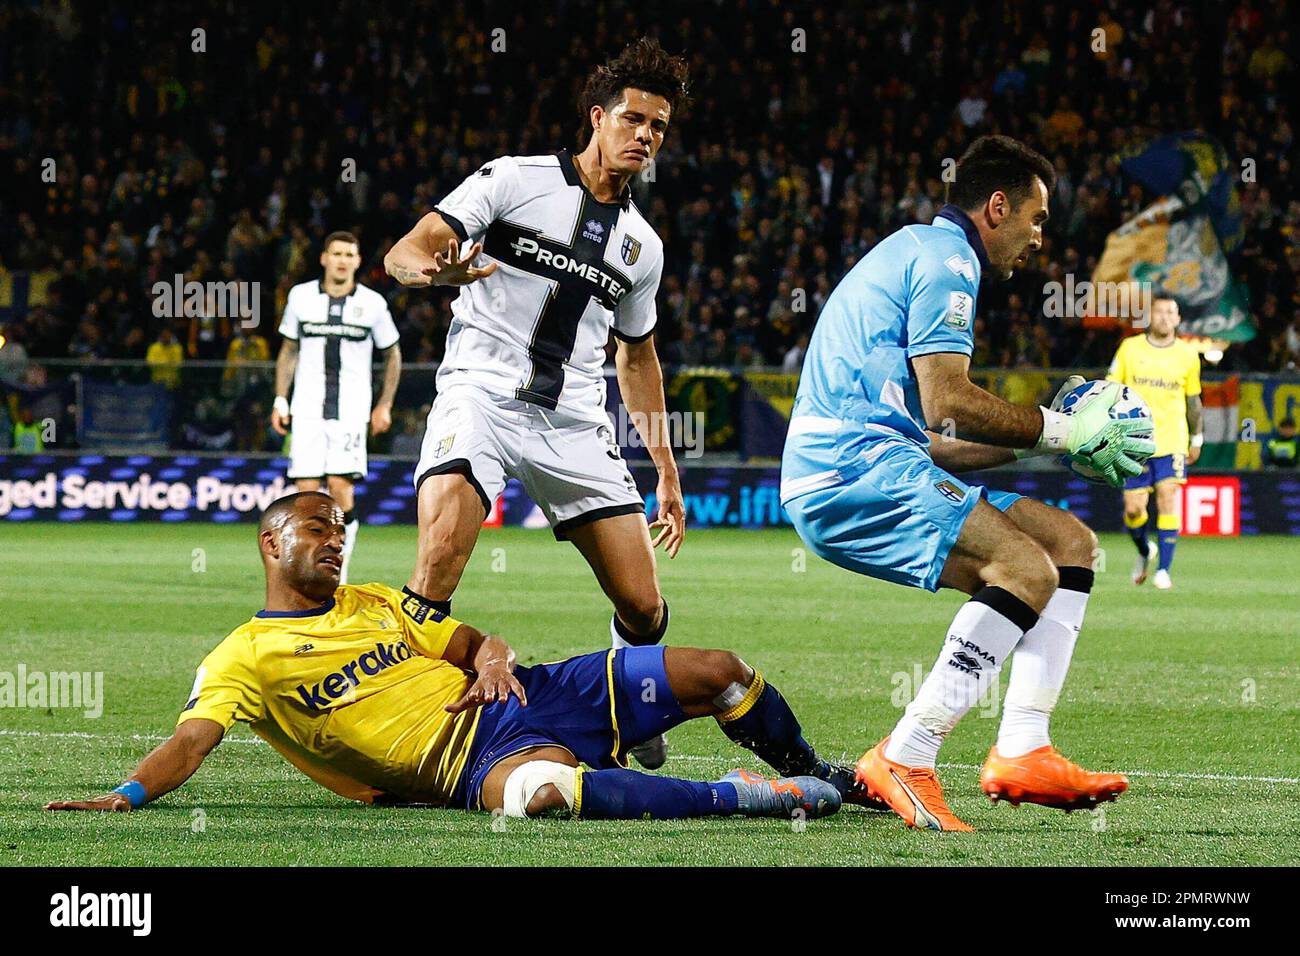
643,65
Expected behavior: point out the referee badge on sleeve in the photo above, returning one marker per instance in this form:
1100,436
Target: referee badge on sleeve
631,250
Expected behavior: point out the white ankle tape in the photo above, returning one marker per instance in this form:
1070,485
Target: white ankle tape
526,779
933,717
731,697
1039,698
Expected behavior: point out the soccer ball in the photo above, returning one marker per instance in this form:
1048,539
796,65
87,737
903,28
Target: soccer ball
1128,405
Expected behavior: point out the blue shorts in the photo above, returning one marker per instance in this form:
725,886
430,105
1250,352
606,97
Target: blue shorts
896,520
1156,470
595,706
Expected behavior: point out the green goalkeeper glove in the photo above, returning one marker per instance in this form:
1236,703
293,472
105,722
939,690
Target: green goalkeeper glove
1091,437
1071,383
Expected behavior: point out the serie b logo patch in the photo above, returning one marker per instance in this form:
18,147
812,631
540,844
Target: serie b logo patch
960,307
631,250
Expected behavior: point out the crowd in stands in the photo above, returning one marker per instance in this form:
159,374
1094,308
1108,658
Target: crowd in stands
151,139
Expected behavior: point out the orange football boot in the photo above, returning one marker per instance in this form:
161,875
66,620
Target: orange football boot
913,793
1043,776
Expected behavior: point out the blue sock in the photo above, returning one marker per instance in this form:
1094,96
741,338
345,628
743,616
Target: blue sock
1139,536
629,795
1167,539
764,723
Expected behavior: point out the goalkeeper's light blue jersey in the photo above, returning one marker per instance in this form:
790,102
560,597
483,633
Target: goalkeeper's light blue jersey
913,294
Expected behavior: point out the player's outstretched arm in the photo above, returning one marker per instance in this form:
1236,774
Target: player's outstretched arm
430,255
492,660
169,765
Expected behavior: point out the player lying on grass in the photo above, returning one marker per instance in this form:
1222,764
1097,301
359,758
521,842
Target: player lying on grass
379,699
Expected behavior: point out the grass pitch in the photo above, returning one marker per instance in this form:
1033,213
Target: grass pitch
1194,692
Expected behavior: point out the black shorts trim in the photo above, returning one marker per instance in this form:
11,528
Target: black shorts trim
577,521
456,464
633,339
456,225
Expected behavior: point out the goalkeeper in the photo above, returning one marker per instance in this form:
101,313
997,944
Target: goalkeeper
885,412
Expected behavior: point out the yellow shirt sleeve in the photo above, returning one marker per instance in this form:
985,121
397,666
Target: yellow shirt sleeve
1193,384
427,631
1118,370
226,688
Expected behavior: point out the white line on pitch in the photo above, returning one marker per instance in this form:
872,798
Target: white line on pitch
683,758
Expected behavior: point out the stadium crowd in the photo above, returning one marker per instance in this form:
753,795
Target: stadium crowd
219,146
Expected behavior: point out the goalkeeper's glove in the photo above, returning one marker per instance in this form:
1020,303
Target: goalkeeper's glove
1071,383
1091,437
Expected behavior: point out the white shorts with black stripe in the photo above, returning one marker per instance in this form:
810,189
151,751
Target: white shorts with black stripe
572,468
327,446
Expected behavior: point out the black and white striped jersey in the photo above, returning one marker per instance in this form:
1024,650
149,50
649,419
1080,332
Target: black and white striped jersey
571,268
336,341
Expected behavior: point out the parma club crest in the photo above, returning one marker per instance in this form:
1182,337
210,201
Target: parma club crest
950,491
444,445
631,250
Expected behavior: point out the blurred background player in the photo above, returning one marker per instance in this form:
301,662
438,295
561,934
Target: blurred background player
521,390
1166,372
867,485
421,708
330,328
1283,449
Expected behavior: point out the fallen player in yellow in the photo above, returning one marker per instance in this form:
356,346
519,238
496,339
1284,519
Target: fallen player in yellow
380,697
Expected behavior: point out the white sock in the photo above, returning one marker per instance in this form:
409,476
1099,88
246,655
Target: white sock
1042,660
349,542
983,633
616,637
619,641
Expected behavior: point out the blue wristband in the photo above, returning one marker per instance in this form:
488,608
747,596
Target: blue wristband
133,790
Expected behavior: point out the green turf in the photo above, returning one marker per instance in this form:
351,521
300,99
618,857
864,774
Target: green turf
1183,689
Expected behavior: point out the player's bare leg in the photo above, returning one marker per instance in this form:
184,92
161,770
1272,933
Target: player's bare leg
620,553
1010,578
1135,520
450,516
340,489
1168,521
1023,765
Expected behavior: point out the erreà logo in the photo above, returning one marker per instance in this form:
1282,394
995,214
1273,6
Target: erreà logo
593,230
343,680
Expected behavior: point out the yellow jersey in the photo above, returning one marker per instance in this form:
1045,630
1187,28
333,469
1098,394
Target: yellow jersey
352,693
1165,376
